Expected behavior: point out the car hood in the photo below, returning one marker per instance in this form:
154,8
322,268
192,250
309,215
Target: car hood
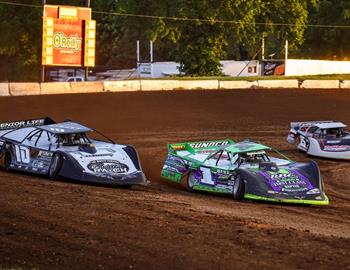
108,159
287,180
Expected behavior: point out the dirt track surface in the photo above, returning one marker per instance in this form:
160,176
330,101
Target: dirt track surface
60,225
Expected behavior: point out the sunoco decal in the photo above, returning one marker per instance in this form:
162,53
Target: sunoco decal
208,144
107,166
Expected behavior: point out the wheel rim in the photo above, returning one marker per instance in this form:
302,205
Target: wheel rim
191,180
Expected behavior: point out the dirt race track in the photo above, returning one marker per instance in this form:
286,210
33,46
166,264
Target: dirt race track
60,225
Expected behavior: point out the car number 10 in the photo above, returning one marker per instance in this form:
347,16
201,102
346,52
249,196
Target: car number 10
22,154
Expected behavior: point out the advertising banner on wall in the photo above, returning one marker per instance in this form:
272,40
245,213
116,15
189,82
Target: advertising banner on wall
274,67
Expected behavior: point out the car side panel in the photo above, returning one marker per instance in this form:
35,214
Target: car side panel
25,158
174,168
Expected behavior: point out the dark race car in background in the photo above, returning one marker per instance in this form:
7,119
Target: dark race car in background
327,139
65,149
245,170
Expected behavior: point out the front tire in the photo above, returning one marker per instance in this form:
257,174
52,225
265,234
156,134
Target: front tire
191,181
238,189
125,186
7,161
55,166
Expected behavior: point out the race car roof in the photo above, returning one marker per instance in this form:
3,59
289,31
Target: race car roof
245,147
331,125
65,128
319,124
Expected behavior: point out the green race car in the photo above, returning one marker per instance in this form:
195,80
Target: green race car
246,170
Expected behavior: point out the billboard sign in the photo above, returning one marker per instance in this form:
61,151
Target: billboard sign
68,37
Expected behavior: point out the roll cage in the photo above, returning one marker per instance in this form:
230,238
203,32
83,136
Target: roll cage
330,132
55,138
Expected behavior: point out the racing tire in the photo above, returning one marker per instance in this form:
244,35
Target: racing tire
55,166
238,189
191,181
7,161
125,186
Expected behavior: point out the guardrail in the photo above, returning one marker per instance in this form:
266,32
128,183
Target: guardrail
22,89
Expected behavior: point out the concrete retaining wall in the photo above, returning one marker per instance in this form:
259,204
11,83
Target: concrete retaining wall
4,89
344,85
121,86
154,85
23,89
327,84
237,84
86,87
278,84
55,88
198,84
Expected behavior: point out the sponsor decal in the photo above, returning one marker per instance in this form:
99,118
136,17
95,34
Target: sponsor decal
274,68
178,147
107,166
336,148
221,171
176,164
45,154
57,129
99,155
287,181
61,41
21,124
38,164
208,144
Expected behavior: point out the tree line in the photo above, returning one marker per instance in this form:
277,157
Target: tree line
205,32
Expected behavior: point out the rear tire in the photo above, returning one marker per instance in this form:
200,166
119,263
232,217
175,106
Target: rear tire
126,186
238,189
191,181
55,166
7,161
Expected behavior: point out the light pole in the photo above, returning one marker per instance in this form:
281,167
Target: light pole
86,75
42,70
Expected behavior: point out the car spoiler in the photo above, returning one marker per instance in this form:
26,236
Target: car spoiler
26,123
194,147
295,125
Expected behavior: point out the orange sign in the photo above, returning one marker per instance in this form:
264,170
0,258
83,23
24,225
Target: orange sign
68,36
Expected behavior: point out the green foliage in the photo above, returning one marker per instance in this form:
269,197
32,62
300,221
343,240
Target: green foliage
329,43
200,45
19,46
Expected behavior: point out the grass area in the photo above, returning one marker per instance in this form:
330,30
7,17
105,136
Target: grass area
255,78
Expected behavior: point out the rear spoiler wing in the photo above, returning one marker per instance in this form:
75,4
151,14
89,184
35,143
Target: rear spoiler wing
294,125
194,147
26,123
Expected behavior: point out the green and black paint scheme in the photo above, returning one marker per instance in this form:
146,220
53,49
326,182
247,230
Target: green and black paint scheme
246,170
